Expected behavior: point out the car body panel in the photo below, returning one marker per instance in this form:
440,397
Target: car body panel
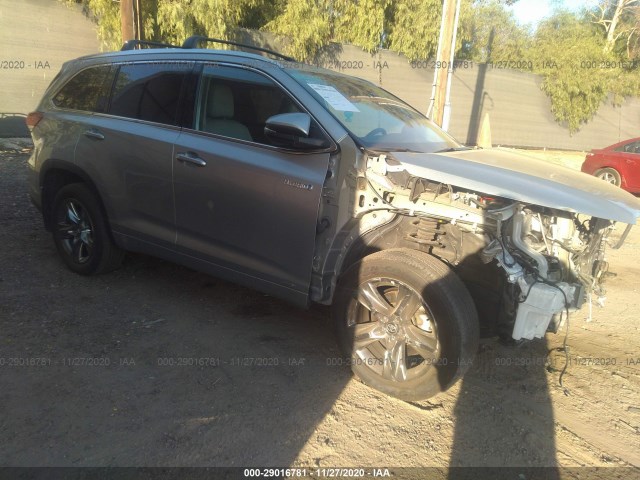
526,179
132,169
62,132
626,163
250,208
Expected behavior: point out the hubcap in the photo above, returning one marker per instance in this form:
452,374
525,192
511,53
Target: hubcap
393,330
609,178
75,231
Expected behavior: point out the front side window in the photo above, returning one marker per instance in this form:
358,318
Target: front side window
375,117
633,147
149,91
87,91
236,103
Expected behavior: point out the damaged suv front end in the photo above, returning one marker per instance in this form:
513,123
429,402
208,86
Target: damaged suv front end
525,238
546,227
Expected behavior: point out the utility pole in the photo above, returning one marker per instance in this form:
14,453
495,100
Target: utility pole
138,20
126,20
439,105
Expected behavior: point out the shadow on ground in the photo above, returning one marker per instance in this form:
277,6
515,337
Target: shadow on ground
153,364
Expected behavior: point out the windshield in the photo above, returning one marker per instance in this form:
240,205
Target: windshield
376,118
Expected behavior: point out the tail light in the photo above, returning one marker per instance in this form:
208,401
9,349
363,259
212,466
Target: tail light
33,119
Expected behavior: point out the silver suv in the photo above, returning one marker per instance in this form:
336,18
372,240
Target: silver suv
323,188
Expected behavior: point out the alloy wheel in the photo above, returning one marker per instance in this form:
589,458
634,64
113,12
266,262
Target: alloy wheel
75,230
394,332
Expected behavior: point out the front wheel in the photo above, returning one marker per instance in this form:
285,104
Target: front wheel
406,323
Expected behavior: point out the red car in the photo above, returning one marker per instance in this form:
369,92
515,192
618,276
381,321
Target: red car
618,164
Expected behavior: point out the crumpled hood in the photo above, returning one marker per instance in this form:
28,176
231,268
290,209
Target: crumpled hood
526,179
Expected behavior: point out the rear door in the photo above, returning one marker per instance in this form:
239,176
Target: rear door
128,150
247,207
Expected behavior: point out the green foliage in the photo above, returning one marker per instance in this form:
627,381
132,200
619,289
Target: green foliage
568,50
495,35
410,27
174,20
106,14
362,23
307,26
569,53
415,28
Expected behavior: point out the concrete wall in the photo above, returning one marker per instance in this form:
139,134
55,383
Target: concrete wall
38,36
45,33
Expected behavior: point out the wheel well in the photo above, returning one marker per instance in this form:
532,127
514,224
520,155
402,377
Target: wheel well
385,237
52,181
447,243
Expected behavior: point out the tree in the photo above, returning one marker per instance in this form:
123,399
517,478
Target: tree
578,71
495,33
174,20
106,15
308,26
409,27
415,27
582,58
618,18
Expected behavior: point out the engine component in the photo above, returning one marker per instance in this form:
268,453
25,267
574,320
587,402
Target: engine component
542,301
516,238
505,260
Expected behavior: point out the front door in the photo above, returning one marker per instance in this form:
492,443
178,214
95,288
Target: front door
246,206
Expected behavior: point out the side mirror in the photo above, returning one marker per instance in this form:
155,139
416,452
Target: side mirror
292,130
297,124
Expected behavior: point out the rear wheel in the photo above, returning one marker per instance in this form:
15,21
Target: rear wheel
80,232
406,323
609,175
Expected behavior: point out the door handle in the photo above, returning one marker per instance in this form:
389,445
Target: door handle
93,133
190,157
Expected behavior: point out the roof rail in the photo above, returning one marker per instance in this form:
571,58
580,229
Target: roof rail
132,44
192,42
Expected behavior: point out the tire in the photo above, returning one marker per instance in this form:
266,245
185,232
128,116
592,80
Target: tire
609,175
410,349
81,233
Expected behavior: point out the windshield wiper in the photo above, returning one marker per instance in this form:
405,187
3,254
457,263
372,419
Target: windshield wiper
390,150
453,149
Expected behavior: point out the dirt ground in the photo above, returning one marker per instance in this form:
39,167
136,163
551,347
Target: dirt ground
157,365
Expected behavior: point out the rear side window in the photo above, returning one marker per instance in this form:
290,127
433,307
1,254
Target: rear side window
87,91
149,91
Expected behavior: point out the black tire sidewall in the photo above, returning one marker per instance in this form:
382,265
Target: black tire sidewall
457,335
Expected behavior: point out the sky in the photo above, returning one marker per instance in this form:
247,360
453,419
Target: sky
532,11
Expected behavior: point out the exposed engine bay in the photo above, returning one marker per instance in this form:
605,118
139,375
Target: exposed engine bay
535,264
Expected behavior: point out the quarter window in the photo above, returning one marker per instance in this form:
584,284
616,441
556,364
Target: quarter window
87,91
149,91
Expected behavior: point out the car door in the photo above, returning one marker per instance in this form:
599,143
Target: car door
128,150
630,162
247,207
